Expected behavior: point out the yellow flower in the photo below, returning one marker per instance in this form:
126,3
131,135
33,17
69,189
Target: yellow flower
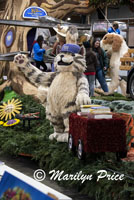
10,108
1,122
11,122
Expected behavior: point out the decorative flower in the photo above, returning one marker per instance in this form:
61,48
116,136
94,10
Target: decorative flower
11,122
1,122
16,194
10,108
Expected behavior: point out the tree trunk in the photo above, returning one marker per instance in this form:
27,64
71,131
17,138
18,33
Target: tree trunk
13,11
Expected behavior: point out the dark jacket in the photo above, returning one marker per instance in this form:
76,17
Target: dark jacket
91,61
103,58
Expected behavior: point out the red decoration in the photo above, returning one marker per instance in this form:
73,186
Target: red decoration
99,135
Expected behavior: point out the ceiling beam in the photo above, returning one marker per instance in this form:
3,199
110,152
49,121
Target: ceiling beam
39,24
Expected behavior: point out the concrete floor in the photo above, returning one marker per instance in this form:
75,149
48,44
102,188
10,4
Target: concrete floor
26,166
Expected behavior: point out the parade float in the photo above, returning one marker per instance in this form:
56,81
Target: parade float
33,141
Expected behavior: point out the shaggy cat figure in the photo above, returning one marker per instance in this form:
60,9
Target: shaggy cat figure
68,87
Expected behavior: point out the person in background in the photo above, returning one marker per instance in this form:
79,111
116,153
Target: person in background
91,62
102,67
61,40
57,47
114,28
38,53
58,44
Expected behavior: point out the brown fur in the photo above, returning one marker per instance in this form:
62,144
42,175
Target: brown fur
117,41
113,39
108,39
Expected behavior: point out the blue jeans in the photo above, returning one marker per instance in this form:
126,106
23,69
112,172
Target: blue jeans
91,82
101,78
52,68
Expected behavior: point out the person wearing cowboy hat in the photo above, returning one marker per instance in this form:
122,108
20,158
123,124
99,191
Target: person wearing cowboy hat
61,35
61,40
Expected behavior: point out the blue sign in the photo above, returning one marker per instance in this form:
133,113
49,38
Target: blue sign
9,38
34,12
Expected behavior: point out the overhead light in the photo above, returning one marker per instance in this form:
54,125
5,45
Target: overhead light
68,19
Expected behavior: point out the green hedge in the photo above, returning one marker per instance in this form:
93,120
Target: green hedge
52,155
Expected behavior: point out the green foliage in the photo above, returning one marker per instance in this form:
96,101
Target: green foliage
52,155
114,97
8,94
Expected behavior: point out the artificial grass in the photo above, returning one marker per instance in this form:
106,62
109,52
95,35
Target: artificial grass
52,155
114,97
8,94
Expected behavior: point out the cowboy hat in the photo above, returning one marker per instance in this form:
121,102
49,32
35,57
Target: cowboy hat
61,30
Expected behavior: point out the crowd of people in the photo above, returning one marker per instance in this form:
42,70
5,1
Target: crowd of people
96,58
